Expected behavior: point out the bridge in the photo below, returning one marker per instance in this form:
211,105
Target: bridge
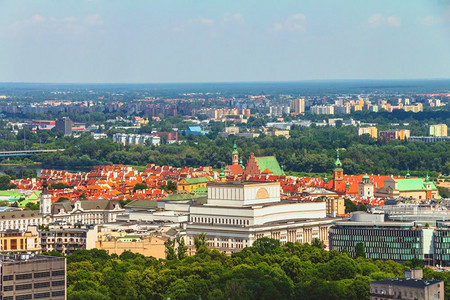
26,152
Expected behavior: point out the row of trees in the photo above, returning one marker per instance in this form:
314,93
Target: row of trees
265,271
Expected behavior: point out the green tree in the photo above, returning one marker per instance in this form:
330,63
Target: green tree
181,248
359,250
170,250
139,186
200,241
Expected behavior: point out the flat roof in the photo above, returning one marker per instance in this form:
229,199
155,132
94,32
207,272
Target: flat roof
414,283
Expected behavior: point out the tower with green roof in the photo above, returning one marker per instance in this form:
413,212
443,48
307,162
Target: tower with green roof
235,155
338,171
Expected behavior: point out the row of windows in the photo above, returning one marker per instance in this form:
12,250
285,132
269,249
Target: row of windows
36,275
37,285
220,221
376,232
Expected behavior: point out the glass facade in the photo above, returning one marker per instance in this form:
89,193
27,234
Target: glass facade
398,243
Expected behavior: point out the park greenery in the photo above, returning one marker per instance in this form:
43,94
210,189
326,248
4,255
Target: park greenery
266,270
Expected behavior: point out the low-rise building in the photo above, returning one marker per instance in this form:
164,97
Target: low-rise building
18,241
145,245
410,287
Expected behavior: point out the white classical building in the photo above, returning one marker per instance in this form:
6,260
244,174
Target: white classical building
238,213
89,212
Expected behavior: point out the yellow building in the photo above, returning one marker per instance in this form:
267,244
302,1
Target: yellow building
437,130
19,241
147,245
191,184
372,131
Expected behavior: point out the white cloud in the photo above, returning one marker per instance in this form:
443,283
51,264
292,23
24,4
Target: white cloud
233,18
205,21
93,20
296,22
393,21
378,20
428,20
37,19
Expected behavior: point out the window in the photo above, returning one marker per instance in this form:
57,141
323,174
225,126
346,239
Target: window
8,298
8,288
41,295
23,287
41,285
41,274
59,273
24,297
58,283
58,293
8,277
24,276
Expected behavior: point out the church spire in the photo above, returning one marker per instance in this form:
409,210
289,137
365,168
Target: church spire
338,163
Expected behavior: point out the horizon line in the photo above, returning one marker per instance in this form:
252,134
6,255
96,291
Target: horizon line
221,82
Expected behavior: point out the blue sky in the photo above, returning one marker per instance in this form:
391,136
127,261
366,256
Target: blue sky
203,41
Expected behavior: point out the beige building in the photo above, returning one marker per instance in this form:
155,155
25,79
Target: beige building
145,245
437,130
279,132
298,106
335,207
68,238
372,131
411,287
33,277
238,213
14,240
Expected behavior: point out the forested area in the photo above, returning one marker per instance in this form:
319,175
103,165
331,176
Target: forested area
264,271
310,149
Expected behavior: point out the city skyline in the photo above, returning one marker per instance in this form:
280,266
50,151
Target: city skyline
152,42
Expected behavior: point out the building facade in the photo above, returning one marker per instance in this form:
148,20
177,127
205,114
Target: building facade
410,287
238,213
32,277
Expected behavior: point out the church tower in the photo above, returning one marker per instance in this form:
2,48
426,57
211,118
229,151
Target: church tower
365,187
45,200
235,155
338,171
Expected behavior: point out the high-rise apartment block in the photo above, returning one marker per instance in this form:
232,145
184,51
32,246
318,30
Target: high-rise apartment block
437,130
298,106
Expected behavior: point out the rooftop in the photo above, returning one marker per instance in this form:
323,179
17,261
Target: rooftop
414,283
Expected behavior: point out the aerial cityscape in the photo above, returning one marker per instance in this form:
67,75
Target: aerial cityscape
206,150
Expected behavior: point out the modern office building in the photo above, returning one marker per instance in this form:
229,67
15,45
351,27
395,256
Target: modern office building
32,277
238,213
410,287
398,241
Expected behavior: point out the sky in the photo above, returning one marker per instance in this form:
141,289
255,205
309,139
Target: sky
146,41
